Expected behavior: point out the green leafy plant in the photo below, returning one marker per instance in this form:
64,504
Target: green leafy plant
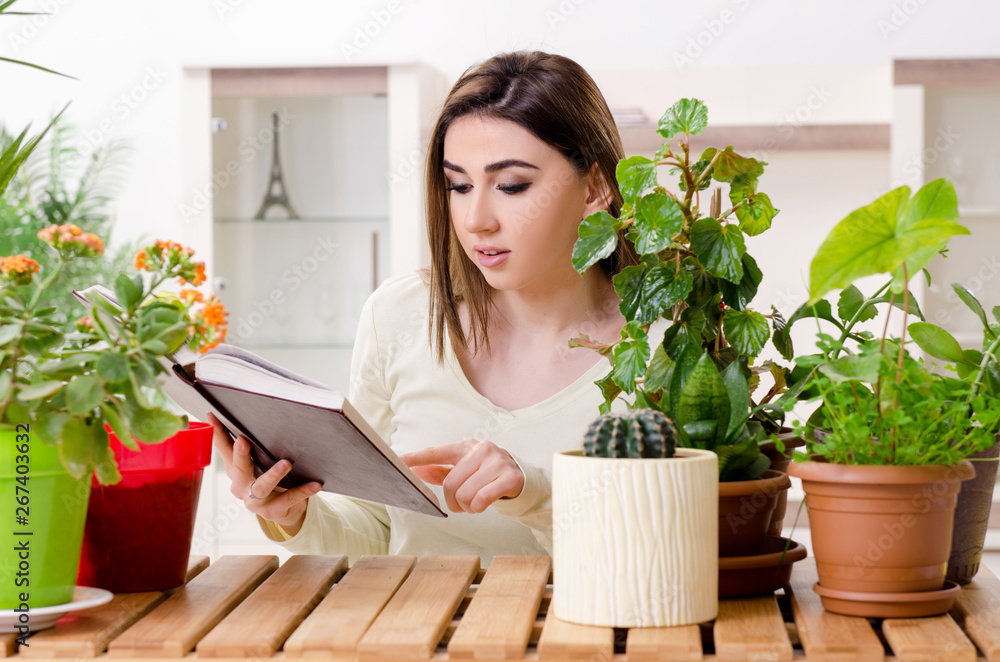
697,278
877,404
69,385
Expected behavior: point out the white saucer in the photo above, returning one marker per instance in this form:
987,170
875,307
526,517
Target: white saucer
84,597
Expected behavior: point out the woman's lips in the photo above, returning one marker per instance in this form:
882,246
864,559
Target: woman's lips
491,257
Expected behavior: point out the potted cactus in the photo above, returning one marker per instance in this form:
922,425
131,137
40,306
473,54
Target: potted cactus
630,478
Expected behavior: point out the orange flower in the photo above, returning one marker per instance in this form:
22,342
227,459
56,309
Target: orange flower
69,239
191,296
213,313
141,260
18,268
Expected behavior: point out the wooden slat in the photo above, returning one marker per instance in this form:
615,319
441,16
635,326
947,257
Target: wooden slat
497,624
977,610
262,622
652,644
568,641
934,639
825,636
411,625
338,623
751,629
8,644
87,633
961,71
174,627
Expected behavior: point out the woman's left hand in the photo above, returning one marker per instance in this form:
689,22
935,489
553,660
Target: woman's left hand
473,473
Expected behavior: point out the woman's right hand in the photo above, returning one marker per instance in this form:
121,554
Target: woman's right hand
261,495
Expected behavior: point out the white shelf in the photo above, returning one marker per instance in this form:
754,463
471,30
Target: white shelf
974,211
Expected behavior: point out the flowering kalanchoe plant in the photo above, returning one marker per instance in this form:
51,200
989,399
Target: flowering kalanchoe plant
71,385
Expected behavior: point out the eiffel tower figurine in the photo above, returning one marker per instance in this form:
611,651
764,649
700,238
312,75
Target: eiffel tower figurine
277,198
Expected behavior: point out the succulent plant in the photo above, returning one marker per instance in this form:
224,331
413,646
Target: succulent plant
635,433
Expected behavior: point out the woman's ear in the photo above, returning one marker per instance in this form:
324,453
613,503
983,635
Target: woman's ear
599,196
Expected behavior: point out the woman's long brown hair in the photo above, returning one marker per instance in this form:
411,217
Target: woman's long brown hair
556,100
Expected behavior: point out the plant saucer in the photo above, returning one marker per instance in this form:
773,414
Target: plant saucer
889,605
40,618
760,573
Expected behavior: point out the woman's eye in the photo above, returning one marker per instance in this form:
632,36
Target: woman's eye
513,189
459,188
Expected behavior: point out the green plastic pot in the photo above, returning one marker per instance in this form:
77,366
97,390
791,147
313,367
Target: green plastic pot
55,512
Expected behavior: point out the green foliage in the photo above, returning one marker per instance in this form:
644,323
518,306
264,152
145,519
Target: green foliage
696,278
638,433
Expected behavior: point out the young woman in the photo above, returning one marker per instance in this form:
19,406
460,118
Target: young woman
466,370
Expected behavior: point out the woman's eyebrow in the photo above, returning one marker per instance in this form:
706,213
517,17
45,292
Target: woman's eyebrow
493,167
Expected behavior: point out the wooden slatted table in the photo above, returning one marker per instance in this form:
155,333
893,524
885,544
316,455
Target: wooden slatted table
396,608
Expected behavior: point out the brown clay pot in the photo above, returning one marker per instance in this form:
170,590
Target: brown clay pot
745,509
779,462
972,514
881,529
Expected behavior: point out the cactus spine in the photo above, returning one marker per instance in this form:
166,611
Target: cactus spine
635,433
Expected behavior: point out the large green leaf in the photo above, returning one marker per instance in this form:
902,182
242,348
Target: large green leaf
659,218
883,236
645,293
739,295
732,165
719,248
937,342
704,398
77,447
128,293
151,425
84,394
113,368
658,373
686,116
739,397
746,330
853,368
630,357
970,300
781,340
598,237
38,391
635,176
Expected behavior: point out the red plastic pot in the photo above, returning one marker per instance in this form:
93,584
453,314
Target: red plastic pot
138,532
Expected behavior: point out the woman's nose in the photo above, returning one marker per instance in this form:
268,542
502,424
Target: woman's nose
479,215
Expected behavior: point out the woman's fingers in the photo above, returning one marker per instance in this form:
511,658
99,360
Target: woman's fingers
242,462
473,474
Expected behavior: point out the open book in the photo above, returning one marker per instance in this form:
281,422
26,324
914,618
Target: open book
286,416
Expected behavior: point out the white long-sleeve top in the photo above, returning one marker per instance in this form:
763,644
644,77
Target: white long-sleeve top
413,402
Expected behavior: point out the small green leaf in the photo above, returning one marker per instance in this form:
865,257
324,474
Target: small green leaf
720,248
732,165
746,330
83,394
39,390
151,425
937,342
598,237
610,390
5,386
157,347
756,211
659,218
77,448
630,357
628,286
127,293
850,302
658,373
50,430
635,176
9,332
853,368
970,300
740,295
686,116
697,168
781,339
113,368
996,313
114,419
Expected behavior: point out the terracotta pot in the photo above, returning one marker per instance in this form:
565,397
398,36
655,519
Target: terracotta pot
881,529
634,540
779,462
745,510
972,514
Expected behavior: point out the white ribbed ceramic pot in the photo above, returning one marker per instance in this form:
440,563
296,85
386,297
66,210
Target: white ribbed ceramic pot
635,541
